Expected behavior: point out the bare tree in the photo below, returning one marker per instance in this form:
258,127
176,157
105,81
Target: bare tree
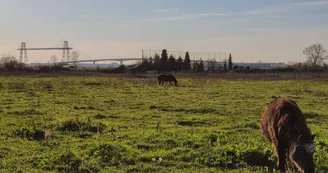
7,59
211,65
75,55
315,54
9,62
53,59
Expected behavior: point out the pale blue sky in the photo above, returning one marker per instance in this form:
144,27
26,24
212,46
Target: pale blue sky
251,30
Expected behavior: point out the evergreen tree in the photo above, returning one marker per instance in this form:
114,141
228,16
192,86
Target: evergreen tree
172,62
194,68
150,60
201,66
230,62
157,59
186,62
179,64
164,57
144,66
145,61
225,65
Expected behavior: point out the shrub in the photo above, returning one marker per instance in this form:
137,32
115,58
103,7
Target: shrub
10,63
50,68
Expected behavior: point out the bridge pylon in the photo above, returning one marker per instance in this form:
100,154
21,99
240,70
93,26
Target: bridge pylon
66,56
23,53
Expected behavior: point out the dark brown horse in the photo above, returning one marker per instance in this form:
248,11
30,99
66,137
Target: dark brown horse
165,77
283,124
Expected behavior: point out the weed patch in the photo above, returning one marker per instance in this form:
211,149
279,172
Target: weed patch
69,162
256,158
26,112
252,126
192,110
220,158
311,115
46,85
73,125
99,116
17,86
190,123
112,155
30,134
93,83
145,146
84,107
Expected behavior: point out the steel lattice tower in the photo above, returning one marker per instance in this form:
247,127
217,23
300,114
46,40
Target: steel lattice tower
23,53
66,56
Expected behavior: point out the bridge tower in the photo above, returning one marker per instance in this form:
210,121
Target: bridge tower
23,53
66,56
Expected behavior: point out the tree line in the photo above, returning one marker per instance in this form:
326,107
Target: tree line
165,62
316,57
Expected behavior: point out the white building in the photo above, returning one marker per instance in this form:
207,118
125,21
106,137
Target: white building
260,65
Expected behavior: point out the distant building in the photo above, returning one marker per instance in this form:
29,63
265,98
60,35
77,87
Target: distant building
114,64
259,65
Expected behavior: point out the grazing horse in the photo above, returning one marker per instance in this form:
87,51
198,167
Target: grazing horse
284,125
165,77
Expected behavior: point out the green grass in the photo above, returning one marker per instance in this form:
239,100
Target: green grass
101,124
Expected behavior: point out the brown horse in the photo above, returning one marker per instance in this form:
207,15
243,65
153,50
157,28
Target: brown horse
284,125
165,77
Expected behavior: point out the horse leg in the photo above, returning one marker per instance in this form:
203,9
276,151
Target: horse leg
281,158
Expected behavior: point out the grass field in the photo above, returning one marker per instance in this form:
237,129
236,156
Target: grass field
117,124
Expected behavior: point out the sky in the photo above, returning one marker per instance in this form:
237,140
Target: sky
251,30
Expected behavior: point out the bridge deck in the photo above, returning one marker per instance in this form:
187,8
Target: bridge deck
111,59
47,48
